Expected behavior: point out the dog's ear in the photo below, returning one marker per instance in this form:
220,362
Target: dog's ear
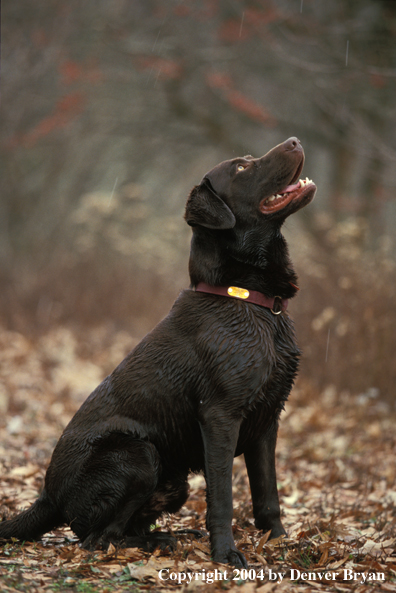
205,208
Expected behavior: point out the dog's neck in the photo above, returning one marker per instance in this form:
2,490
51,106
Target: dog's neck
267,268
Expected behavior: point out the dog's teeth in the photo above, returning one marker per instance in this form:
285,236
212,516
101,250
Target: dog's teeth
275,197
304,182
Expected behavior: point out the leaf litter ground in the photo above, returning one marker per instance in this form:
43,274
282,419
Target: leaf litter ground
336,475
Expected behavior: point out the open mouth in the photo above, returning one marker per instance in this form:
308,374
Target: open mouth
304,188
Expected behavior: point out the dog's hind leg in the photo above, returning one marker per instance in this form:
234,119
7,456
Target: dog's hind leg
117,479
169,497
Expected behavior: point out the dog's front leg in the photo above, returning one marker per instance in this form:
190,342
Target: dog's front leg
260,463
220,437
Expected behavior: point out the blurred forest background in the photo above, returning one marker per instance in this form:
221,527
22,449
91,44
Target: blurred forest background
112,111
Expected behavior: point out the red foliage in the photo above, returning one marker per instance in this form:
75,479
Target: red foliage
66,109
165,68
239,101
219,80
255,17
248,25
233,30
378,81
253,110
202,11
182,10
209,10
71,72
71,103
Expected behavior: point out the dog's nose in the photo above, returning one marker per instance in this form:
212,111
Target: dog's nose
292,144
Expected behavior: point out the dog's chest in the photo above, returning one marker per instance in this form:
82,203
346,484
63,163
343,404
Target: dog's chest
252,355
277,365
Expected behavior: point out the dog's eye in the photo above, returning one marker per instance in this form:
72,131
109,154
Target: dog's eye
241,167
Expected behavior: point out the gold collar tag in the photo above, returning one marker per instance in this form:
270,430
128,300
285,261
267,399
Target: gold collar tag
239,293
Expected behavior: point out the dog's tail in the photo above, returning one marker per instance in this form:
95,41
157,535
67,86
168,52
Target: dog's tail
31,524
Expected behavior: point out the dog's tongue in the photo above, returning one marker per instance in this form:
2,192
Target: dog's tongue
290,188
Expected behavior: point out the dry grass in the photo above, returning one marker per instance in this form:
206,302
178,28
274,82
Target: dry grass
344,313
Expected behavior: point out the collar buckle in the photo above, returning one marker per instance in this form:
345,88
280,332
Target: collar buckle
277,305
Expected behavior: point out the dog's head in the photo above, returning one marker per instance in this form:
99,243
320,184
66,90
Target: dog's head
242,190
236,213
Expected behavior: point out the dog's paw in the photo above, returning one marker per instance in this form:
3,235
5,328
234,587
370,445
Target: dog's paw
152,541
90,543
163,541
233,557
276,530
102,541
274,526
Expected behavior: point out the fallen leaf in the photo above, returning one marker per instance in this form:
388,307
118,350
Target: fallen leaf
25,471
263,541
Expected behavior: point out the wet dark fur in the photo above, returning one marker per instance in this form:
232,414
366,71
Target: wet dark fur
207,384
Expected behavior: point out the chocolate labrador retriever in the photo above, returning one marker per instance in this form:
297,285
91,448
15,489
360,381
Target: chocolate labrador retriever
207,384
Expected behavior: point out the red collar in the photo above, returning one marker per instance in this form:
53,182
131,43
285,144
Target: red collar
275,304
